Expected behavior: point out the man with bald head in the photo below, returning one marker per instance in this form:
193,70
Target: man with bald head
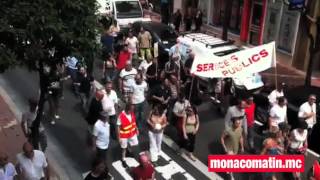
7,170
95,108
32,164
145,170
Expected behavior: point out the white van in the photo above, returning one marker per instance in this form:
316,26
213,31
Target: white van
201,43
124,11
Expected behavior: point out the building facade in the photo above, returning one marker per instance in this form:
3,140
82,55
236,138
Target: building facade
255,22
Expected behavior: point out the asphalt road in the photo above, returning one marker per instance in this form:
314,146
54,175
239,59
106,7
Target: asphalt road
69,134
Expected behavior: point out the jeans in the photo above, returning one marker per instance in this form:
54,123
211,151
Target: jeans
84,97
110,75
54,103
155,144
113,126
73,74
139,112
250,137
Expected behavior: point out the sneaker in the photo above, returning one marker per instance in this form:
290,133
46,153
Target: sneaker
192,157
124,164
57,116
53,122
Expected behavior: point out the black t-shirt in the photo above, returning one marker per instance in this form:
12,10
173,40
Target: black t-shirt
85,83
102,177
54,85
160,91
151,71
94,111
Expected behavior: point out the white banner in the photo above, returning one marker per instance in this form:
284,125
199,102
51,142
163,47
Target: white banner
239,64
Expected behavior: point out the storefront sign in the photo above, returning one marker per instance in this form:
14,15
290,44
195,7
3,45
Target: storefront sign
239,64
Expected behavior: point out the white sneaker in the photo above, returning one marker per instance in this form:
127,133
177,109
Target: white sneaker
53,122
57,116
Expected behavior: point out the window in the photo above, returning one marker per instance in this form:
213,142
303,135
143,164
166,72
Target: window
203,6
128,9
218,7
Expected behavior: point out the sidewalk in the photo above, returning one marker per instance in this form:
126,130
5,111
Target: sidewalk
11,135
285,73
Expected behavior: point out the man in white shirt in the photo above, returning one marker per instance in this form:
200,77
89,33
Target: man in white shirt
7,169
143,67
32,164
133,46
275,94
101,135
126,80
26,124
308,111
278,115
112,95
140,89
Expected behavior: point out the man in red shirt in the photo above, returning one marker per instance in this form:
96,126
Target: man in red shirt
145,171
249,111
123,57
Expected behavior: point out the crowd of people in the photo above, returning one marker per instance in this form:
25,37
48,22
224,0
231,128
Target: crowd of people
133,83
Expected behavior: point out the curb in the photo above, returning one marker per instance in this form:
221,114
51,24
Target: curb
58,173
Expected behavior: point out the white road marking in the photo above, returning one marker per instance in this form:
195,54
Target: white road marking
166,171
122,171
196,164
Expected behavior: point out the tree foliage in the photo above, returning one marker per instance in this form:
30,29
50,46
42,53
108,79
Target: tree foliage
30,28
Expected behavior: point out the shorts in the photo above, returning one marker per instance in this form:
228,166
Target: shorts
133,141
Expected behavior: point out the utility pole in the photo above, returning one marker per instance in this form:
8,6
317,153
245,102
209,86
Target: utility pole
226,18
313,48
314,37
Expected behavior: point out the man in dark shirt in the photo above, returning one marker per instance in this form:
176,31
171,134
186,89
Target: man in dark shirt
160,95
153,74
85,83
107,44
94,110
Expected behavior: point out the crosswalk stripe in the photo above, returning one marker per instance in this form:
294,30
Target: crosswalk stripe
166,171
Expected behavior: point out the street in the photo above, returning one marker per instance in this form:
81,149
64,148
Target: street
69,135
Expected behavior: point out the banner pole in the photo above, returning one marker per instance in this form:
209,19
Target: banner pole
191,87
276,75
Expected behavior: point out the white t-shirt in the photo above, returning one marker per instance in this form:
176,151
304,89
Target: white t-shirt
298,139
108,105
32,169
8,172
139,90
128,77
274,95
127,115
114,97
102,131
179,107
144,66
132,44
278,114
306,108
